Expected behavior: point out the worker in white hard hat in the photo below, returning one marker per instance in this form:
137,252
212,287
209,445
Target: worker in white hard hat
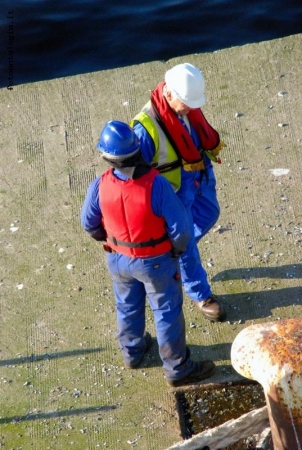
178,140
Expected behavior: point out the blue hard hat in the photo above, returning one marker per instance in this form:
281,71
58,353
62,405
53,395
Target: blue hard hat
118,140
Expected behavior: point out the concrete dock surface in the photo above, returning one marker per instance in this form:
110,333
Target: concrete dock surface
63,384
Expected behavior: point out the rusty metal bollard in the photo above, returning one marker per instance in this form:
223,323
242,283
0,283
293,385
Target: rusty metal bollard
271,353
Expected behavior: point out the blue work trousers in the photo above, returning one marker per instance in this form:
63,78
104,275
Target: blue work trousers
198,194
156,278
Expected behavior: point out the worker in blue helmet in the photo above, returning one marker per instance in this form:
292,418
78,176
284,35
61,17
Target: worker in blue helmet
143,226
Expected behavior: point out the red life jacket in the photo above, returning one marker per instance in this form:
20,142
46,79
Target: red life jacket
132,227
180,138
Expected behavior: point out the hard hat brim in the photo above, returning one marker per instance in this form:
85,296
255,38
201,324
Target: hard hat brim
192,103
117,157
197,104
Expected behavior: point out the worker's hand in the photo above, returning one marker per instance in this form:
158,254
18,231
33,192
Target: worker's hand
216,151
99,234
175,254
213,154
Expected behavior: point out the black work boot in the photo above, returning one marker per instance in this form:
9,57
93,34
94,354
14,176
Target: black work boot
201,371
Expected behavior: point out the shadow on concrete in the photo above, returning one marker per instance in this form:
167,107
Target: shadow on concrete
217,352
260,304
47,356
56,414
287,271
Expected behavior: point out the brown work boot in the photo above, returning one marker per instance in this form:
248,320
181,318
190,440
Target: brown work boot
201,371
211,309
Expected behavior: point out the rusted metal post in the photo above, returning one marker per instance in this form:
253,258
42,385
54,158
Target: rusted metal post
271,353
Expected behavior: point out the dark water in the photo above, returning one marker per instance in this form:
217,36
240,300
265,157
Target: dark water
44,39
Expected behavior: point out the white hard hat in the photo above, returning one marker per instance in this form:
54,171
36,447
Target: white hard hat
186,82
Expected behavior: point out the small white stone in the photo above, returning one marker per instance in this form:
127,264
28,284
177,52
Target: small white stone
279,172
217,229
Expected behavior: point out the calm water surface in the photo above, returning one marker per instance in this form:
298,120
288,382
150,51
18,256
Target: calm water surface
50,38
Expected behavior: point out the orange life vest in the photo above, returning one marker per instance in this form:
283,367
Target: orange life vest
132,227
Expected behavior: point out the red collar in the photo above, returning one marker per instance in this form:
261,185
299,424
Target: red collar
177,134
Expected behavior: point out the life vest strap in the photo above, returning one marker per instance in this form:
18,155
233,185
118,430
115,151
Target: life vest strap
166,167
188,167
151,243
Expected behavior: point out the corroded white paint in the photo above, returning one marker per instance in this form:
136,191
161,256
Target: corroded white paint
270,353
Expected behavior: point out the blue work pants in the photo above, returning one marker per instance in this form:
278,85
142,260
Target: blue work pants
158,279
198,194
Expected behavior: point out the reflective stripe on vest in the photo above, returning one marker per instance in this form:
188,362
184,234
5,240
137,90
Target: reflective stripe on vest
165,154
